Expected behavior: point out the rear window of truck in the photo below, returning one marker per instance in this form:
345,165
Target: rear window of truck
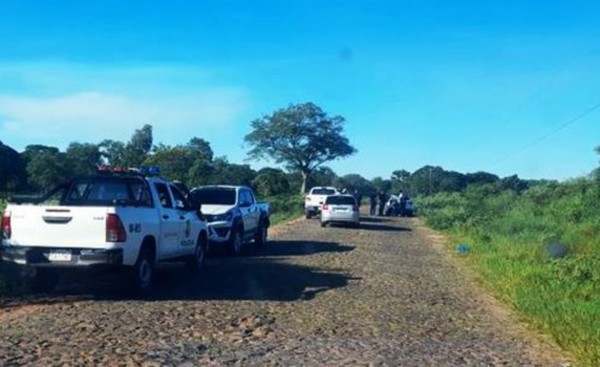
322,192
107,191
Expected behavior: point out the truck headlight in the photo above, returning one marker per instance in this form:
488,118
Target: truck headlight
226,217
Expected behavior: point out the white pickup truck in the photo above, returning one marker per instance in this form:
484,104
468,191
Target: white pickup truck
315,199
234,216
117,220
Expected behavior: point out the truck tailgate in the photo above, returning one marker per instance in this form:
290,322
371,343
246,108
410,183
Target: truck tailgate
58,226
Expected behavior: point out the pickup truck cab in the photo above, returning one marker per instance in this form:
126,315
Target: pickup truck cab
316,198
118,220
234,216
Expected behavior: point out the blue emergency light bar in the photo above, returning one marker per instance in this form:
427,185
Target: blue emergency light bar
146,171
149,171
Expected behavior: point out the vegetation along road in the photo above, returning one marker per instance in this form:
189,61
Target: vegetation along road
383,294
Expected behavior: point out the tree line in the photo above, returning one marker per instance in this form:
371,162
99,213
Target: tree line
301,138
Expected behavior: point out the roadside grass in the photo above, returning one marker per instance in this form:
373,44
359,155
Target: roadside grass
285,207
507,233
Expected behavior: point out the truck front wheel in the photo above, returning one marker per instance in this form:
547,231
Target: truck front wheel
196,261
237,239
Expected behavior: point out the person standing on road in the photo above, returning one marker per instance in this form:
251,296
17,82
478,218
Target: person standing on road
358,198
400,204
382,199
373,203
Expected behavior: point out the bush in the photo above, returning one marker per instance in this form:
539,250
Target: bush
508,233
285,207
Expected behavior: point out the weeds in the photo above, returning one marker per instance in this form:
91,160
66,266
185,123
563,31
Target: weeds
507,233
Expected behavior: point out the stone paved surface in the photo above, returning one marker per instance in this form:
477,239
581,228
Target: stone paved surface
381,295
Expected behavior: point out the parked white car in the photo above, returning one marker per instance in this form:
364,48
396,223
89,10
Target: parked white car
315,199
341,209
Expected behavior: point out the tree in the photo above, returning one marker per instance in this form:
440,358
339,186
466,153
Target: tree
174,162
46,166
354,181
379,184
202,167
132,154
513,183
12,169
596,172
481,177
322,176
83,159
136,151
400,181
271,181
301,136
112,152
231,174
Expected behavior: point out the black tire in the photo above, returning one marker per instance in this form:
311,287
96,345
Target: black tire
323,224
236,242
142,276
196,262
261,235
308,215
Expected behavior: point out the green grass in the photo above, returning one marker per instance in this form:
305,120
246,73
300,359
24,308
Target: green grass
285,208
506,234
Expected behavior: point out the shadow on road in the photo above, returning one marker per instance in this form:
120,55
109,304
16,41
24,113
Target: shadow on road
261,276
300,248
369,219
382,227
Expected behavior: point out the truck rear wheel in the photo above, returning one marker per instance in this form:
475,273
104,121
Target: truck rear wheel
143,272
261,235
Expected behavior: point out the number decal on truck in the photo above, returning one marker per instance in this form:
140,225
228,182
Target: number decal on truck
135,228
188,228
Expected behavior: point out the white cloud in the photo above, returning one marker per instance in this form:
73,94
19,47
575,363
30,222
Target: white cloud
57,103
93,116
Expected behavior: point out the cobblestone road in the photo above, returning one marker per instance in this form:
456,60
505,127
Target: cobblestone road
378,295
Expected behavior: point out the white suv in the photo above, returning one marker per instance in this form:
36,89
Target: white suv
315,199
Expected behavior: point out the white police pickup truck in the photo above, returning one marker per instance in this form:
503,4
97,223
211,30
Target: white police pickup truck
126,220
234,216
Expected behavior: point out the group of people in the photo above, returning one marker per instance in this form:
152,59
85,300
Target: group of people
381,204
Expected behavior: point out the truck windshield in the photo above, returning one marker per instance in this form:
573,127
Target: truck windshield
214,196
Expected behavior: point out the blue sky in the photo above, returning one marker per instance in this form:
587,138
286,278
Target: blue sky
465,85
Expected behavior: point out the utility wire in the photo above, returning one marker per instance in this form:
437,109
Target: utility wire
560,127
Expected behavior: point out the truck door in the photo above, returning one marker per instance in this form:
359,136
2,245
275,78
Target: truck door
255,210
169,222
250,211
186,216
